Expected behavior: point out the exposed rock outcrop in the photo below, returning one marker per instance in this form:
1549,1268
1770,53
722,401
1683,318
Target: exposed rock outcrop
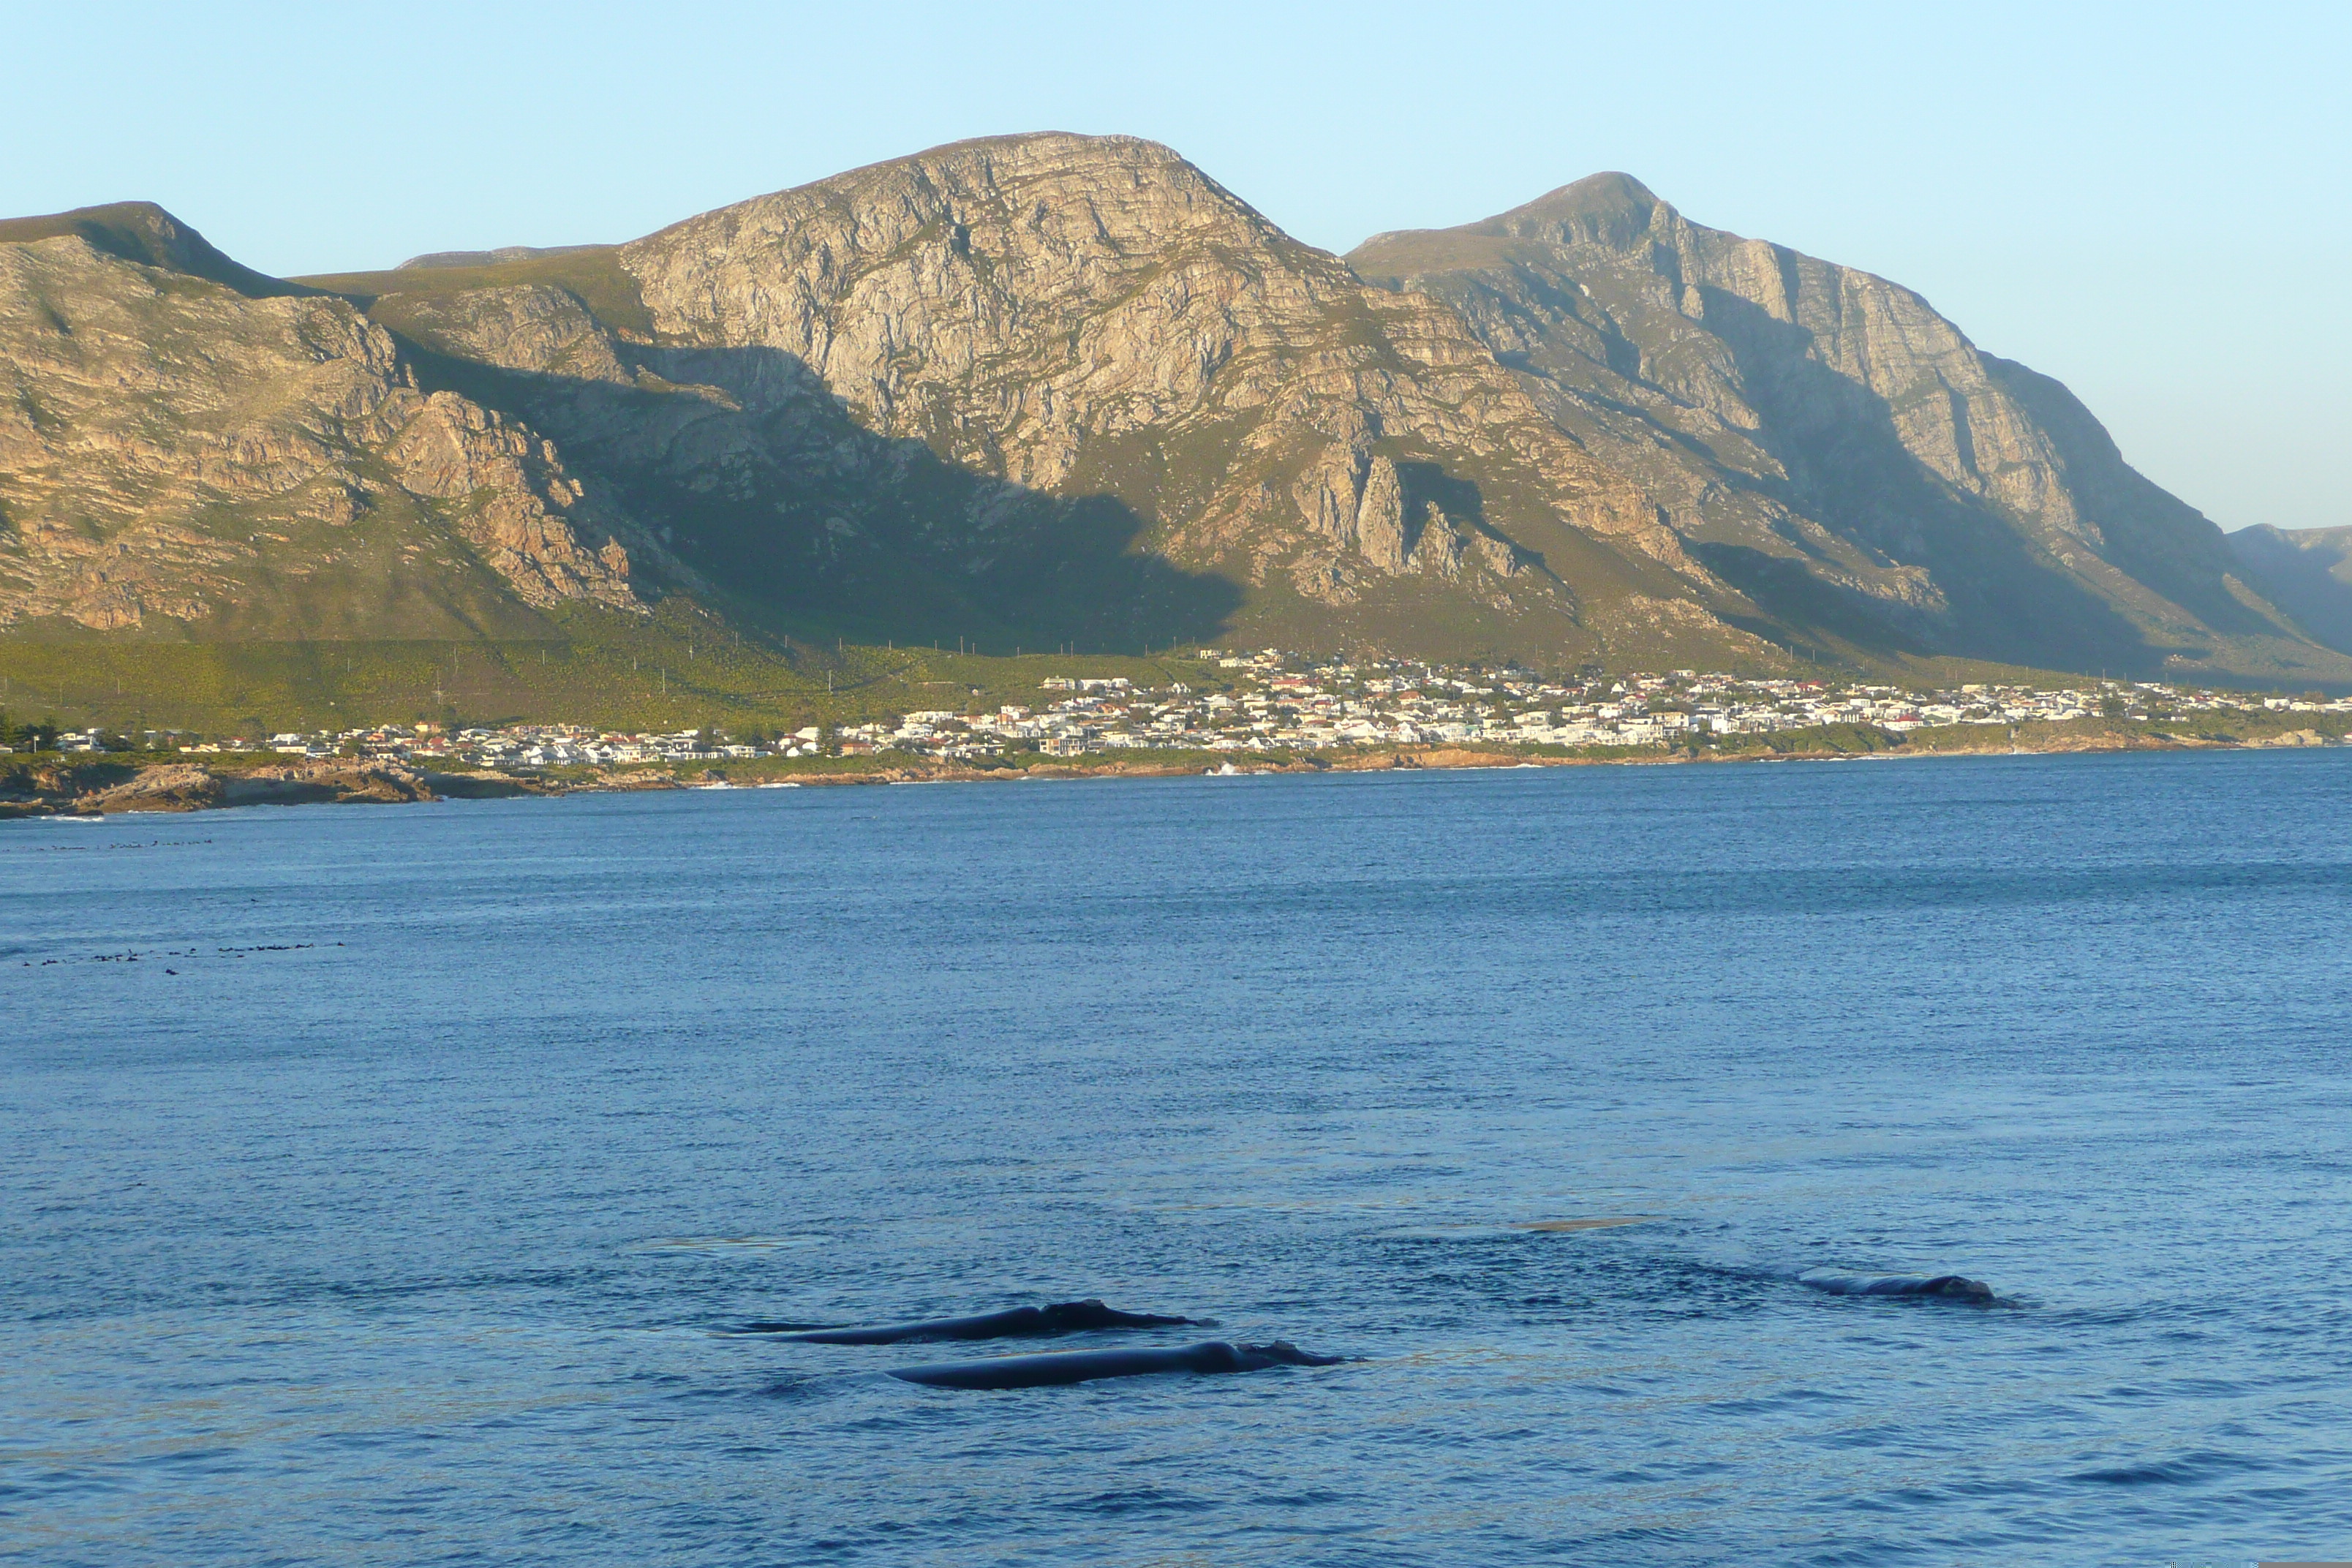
327,780
108,788
173,786
512,495
169,447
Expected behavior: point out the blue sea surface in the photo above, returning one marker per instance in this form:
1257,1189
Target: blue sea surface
377,1184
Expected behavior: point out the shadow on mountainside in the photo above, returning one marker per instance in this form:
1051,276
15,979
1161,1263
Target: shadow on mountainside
755,474
1425,484
1800,607
2150,533
2003,595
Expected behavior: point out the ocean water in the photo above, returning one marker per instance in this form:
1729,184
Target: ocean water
378,1185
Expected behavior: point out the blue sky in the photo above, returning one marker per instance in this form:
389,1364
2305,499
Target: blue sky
2152,203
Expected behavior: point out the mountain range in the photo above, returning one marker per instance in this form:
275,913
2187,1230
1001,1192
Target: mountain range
1057,390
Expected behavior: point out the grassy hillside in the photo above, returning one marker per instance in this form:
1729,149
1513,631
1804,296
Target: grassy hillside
681,669
592,273
677,671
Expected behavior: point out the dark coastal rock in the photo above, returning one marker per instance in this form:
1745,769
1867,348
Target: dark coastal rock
485,785
173,786
333,779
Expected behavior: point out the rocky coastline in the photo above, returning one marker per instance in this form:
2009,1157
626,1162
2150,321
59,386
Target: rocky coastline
107,787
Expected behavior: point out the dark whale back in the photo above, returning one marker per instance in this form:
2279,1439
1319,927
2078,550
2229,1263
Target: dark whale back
1017,1322
1058,1367
1945,1287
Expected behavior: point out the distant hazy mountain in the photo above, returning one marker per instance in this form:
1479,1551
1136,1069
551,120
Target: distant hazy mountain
1056,388
492,257
2307,573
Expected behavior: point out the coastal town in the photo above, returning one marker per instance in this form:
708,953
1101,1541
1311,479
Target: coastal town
1270,701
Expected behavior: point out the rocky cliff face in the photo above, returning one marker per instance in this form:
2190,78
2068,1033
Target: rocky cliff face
1069,388
1825,439
175,450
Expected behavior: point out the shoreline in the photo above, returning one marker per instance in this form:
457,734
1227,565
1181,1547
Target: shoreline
102,787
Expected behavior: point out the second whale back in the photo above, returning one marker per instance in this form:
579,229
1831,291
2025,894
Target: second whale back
1059,1367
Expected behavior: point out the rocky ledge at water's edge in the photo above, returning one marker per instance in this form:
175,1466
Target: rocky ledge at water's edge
102,789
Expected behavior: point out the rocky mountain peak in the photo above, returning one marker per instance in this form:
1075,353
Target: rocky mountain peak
1611,209
145,233
1015,294
1029,151
1050,195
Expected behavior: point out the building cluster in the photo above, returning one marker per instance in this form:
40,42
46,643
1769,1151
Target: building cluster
529,745
1272,702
